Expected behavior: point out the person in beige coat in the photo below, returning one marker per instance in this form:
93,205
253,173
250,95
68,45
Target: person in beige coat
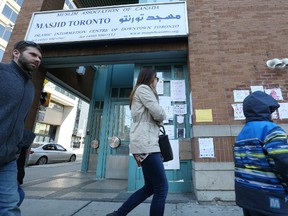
147,116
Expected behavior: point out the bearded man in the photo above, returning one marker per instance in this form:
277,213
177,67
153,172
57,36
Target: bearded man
16,97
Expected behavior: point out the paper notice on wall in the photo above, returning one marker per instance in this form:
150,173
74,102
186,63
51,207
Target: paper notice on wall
275,115
283,110
191,104
240,95
180,109
206,148
160,87
169,129
160,75
203,115
238,111
177,90
175,163
180,119
275,93
257,88
165,103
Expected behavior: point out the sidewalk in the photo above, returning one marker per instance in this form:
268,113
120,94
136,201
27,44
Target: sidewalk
80,194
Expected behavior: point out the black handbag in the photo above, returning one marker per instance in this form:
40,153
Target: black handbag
165,146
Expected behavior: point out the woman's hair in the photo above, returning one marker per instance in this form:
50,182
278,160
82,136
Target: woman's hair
145,77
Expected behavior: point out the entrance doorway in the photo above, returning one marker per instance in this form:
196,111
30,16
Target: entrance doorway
117,157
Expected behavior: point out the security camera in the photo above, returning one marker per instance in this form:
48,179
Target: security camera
274,63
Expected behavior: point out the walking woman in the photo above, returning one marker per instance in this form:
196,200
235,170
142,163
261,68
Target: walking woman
147,116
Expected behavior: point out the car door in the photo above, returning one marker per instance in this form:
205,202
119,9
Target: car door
51,152
62,153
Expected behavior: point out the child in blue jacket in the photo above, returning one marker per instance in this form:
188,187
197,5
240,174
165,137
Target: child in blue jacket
261,160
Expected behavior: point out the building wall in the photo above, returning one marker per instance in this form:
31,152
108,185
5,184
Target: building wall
229,44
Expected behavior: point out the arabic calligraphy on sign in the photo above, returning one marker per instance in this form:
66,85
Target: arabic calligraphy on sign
128,18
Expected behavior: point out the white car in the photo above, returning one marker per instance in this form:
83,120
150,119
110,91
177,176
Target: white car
43,153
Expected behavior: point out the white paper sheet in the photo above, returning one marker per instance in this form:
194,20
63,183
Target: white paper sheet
177,90
238,111
206,148
175,163
240,95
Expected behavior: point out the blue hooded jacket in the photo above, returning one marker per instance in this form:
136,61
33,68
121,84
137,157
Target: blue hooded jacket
261,159
16,97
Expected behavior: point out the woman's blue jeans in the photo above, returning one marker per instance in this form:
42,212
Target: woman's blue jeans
155,183
9,196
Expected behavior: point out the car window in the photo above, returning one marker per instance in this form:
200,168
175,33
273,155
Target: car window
60,148
49,147
36,145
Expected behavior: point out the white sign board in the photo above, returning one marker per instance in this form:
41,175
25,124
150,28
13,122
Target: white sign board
106,23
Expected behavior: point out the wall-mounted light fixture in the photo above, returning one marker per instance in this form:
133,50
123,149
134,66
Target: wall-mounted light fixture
81,70
277,63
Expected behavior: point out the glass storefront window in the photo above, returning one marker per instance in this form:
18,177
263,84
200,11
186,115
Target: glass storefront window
45,132
125,92
122,126
178,72
165,71
41,128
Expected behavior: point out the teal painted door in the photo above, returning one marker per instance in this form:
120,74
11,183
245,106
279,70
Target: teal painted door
120,122
119,127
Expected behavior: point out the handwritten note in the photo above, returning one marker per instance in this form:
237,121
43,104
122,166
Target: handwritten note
238,111
240,95
180,109
178,90
275,93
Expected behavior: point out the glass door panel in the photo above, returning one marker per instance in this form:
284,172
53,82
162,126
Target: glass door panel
120,126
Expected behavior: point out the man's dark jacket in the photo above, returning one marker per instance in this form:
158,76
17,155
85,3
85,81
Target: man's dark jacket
16,97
